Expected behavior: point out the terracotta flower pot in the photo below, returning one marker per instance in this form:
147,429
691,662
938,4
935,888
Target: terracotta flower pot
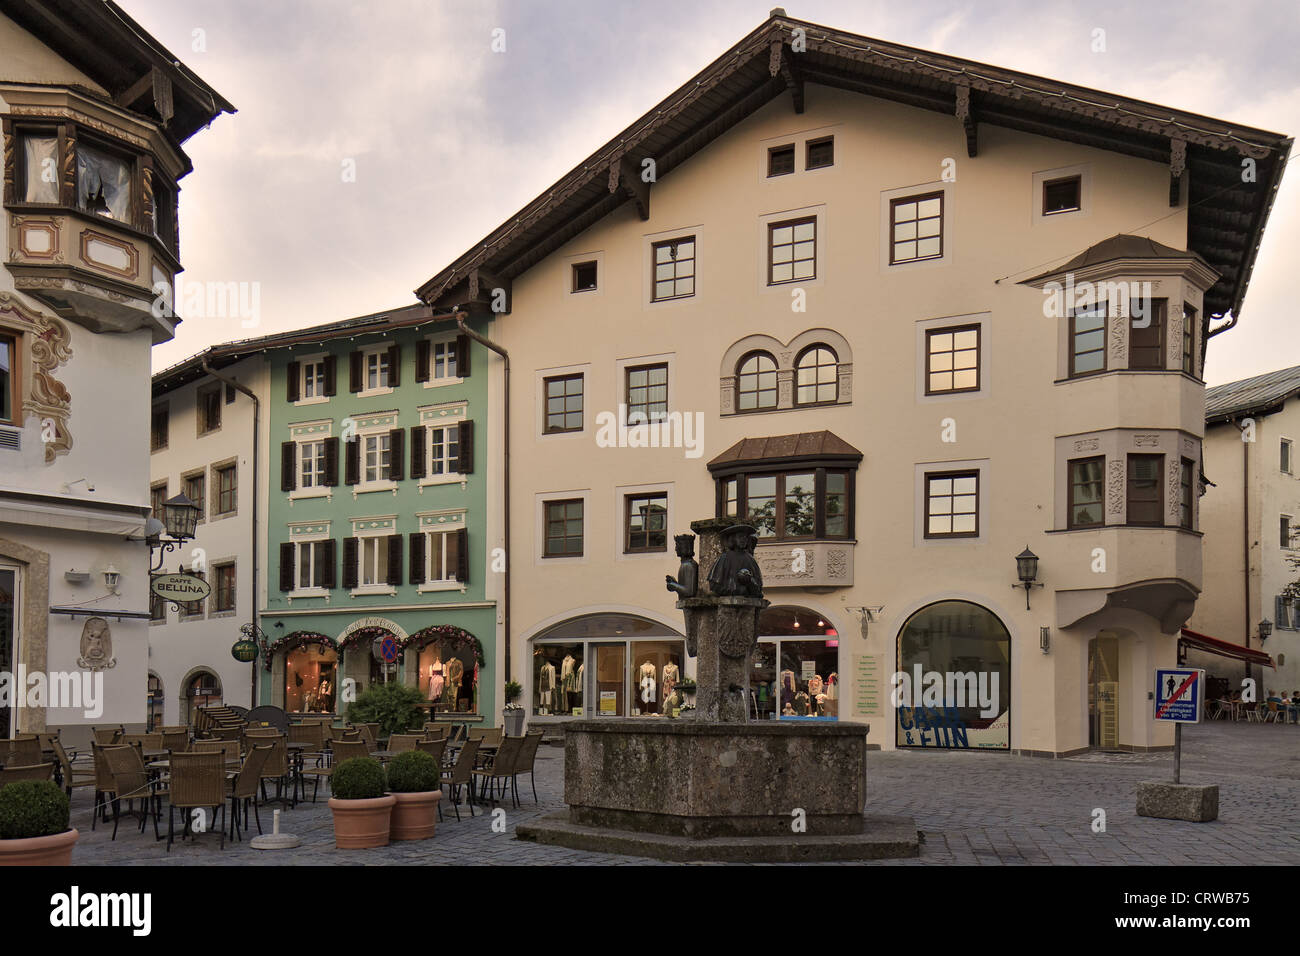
415,815
361,824
53,850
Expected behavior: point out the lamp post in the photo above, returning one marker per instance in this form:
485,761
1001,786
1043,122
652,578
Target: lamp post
181,515
1027,571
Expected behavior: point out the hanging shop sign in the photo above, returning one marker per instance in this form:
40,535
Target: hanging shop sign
181,588
244,651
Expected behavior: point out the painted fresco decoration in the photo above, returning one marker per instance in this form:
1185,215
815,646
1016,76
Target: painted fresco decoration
49,344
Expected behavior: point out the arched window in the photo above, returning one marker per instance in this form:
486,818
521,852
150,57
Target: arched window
756,382
817,376
955,688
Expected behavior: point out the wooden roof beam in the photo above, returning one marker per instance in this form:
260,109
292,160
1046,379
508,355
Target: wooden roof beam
624,174
488,288
1177,166
780,61
158,86
966,113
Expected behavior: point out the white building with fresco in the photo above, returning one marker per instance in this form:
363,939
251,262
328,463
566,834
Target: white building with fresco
93,110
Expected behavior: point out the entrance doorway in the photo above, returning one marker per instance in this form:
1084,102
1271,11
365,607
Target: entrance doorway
8,643
1103,692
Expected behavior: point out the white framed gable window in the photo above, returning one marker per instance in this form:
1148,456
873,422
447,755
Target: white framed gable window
442,445
376,458
442,360
377,370
440,551
373,564
373,557
311,464
308,561
444,450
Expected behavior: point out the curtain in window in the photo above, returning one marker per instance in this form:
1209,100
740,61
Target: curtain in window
41,165
103,184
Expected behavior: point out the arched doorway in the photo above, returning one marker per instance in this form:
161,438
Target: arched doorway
608,665
304,672
201,688
443,661
795,672
1103,691
953,686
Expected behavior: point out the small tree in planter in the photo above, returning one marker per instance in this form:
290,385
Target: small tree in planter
395,707
513,715
415,784
35,824
360,806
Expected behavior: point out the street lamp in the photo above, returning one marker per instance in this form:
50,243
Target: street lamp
1265,629
180,515
1027,570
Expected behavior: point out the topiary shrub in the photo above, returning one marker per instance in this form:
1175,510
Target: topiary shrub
413,772
358,778
33,808
395,707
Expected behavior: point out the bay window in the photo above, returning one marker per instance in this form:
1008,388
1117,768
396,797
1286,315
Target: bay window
808,503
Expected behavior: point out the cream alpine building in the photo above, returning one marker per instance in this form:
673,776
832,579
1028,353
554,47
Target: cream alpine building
829,270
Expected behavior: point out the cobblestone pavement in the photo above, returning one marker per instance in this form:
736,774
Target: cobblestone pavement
973,808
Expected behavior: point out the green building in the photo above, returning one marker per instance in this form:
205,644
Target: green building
380,524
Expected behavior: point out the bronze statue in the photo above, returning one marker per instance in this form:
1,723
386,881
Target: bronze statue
736,572
688,574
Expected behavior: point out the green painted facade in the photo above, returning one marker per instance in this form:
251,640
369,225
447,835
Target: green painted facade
318,616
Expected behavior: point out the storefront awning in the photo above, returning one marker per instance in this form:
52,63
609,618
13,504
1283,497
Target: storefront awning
1212,645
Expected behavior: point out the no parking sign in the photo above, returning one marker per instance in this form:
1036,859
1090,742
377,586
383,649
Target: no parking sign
1179,693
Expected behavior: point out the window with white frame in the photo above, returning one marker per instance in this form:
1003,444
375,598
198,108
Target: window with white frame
311,464
444,450
313,379
441,556
377,370
442,360
372,560
376,461
311,564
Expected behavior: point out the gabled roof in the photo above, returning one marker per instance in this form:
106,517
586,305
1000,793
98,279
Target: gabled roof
98,38
228,353
1257,395
1226,216
776,449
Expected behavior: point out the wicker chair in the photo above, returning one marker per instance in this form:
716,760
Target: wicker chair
435,731
37,771
347,749
229,749
277,768
131,781
526,762
369,733
145,741
244,787
68,770
174,739
462,775
105,788
198,781
400,743
500,768
106,735
434,748
23,750
227,733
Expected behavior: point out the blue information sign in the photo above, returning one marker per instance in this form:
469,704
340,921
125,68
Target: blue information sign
1179,693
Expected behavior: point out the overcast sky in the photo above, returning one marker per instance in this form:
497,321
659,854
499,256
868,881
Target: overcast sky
450,138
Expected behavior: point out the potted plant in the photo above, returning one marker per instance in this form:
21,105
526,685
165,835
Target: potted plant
35,824
359,804
395,707
513,715
414,783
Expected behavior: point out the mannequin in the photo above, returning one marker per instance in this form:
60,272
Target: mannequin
455,673
545,687
568,683
671,677
831,705
647,683
787,690
435,679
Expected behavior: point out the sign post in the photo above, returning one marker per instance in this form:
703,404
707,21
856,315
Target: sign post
1179,698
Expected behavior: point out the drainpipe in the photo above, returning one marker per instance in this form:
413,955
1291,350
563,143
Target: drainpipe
257,411
1245,530
505,478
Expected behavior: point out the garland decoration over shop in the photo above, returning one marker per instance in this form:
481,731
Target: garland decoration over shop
296,639
450,636
364,636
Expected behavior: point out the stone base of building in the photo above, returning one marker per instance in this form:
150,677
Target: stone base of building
1195,803
686,789
880,838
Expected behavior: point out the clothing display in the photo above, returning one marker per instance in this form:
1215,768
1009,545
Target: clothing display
801,704
647,683
671,677
833,687
455,673
788,689
814,686
436,680
546,685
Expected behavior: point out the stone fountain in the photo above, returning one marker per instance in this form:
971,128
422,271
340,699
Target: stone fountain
716,785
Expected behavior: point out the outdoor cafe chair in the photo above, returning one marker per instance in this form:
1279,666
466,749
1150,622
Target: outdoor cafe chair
105,788
198,781
347,749
527,759
69,771
173,740
10,773
434,748
131,781
145,741
228,748
500,768
278,769
23,750
399,743
243,787
462,775
106,735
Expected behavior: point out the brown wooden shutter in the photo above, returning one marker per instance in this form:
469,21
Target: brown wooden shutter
419,443
394,559
396,453
417,540
394,366
462,556
355,372
293,381
350,549
422,360
331,462
465,438
462,356
286,565
352,461
329,579
288,465
331,375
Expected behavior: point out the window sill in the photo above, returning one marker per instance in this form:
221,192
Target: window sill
439,382
299,495
454,479
220,614
430,586
315,400
373,392
302,593
372,487
367,589
226,514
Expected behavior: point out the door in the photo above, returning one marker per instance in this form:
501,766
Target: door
9,603
610,694
1103,692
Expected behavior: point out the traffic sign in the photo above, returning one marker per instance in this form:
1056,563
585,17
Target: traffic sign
388,649
1179,694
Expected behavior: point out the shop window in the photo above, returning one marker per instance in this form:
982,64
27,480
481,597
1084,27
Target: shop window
447,675
558,673
780,160
795,672
1146,347
792,250
656,671
1088,340
563,404
310,679
1145,504
674,268
154,703
917,223
817,374
756,382
963,653
1086,486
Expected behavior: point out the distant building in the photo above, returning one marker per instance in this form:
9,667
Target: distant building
93,111
1250,517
